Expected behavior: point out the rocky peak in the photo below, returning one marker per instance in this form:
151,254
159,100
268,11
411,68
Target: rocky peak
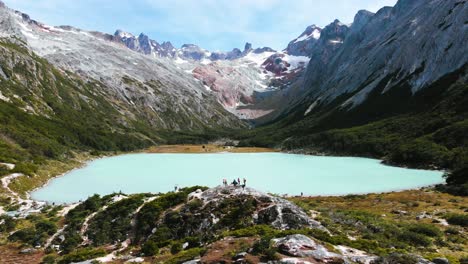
146,44
122,34
167,45
247,47
192,51
334,33
361,18
303,45
264,49
405,5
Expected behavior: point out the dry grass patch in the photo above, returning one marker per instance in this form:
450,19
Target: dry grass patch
208,148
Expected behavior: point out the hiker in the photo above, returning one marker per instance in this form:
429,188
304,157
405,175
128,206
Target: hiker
234,182
238,180
302,194
245,181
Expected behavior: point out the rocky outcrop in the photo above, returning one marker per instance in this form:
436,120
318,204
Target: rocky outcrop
302,249
268,209
303,246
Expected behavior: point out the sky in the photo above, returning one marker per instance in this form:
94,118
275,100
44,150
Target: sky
211,24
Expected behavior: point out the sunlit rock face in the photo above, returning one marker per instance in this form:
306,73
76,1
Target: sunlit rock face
141,86
414,43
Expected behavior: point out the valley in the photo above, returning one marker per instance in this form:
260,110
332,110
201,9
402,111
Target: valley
390,86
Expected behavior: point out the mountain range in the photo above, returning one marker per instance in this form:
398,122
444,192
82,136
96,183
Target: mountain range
391,85
373,75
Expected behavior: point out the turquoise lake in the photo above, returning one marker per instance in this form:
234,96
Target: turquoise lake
278,173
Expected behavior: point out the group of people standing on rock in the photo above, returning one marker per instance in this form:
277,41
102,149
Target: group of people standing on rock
235,182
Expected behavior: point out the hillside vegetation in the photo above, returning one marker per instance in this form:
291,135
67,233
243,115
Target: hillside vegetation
424,130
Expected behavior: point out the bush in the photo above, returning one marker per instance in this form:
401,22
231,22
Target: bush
425,229
49,259
458,219
176,248
8,223
396,259
415,239
82,255
186,255
150,248
263,247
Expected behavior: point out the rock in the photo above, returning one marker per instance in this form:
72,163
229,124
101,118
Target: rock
355,255
400,212
303,246
28,251
290,261
239,257
423,215
441,261
195,261
135,260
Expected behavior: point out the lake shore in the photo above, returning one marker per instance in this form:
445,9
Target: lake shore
23,186
206,148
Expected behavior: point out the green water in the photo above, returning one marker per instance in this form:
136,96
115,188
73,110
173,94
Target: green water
269,172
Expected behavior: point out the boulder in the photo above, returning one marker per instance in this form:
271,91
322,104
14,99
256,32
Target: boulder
303,246
441,261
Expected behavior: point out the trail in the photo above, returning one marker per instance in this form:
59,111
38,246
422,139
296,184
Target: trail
27,206
111,256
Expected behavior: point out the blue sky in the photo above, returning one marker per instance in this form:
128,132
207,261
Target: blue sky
212,24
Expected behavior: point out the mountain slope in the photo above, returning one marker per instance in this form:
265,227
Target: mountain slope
148,89
393,85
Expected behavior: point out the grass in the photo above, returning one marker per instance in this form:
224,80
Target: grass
375,217
206,148
50,169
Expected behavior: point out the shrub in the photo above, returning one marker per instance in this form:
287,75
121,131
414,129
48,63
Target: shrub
458,219
150,248
186,255
263,247
8,223
415,239
82,255
425,229
49,259
396,259
176,248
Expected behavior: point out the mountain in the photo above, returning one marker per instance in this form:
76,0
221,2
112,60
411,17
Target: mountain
63,90
152,90
302,45
144,44
391,85
243,81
